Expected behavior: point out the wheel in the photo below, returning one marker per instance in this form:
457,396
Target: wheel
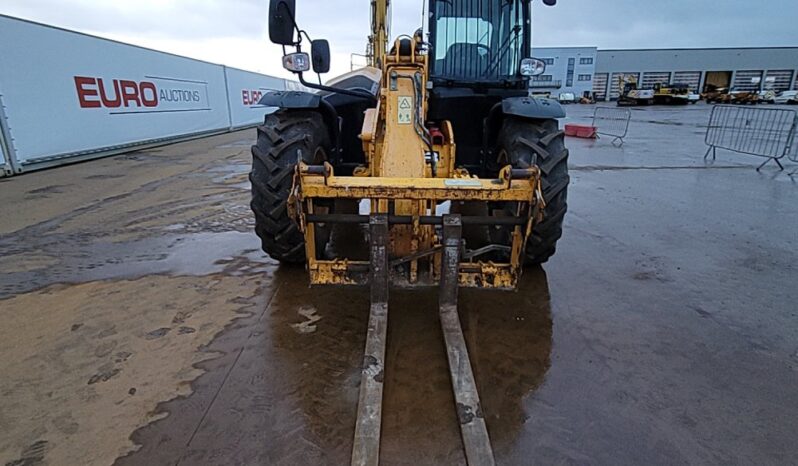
283,136
524,143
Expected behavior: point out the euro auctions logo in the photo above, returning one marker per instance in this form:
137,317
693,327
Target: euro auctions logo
154,95
251,97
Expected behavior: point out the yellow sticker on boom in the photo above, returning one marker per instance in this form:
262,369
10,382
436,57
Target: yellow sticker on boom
405,110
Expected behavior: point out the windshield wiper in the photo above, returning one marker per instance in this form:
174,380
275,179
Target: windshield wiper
510,40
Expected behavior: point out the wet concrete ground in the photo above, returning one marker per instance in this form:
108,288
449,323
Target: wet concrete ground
143,326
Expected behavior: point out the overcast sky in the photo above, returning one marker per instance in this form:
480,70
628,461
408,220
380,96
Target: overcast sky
233,32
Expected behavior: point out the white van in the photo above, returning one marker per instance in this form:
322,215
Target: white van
567,98
786,97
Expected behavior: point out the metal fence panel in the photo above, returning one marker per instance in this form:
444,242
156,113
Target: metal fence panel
244,90
68,96
612,121
5,167
762,132
7,155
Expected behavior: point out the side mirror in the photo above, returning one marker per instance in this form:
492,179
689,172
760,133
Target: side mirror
550,2
320,55
281,21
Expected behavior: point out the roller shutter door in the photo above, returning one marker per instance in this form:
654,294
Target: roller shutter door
691,78
748,80
778,80
615,87
656,77
600,86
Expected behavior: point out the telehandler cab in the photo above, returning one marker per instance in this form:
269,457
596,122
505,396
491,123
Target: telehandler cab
438,120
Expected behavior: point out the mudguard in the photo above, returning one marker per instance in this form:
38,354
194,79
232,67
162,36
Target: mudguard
290,99
532,107
298,100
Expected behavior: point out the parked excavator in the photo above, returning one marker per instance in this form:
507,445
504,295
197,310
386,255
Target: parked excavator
463,176
630,95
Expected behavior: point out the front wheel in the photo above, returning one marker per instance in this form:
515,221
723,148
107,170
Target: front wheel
525,143
282,139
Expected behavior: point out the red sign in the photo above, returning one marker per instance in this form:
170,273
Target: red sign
251,97
94,93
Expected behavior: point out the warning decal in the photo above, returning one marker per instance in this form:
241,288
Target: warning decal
405,115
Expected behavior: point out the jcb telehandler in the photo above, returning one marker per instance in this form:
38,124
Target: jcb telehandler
438,121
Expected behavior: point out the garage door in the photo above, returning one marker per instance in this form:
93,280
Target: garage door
655,77
778,80
615,86
600,86
747,80
691,78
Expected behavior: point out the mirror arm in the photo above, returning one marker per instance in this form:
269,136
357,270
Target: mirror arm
320,86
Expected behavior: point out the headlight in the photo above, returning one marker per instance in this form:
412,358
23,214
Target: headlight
296,62
532,67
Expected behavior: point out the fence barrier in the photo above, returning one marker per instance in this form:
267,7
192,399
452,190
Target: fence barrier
762,132
103,106
613,122
793,155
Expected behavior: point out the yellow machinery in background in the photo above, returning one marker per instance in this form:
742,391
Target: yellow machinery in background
671,94
630,95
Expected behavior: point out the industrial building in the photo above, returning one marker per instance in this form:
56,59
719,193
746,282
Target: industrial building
569,69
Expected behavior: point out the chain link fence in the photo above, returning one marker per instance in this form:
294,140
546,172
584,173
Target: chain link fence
613,122
761,132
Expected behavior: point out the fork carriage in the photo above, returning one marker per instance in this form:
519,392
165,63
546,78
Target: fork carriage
420,263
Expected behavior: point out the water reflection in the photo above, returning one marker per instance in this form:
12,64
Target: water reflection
509,337
318,336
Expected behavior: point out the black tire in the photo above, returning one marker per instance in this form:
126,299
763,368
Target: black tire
524,143
283,136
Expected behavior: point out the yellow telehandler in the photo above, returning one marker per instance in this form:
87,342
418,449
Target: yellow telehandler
460,176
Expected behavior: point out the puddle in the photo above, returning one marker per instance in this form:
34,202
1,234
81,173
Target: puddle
197,254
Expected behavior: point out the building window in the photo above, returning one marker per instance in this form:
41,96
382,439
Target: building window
586,61
569,78
548,61
585,77
544,77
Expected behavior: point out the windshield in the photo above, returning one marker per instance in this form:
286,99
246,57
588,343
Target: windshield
477,40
